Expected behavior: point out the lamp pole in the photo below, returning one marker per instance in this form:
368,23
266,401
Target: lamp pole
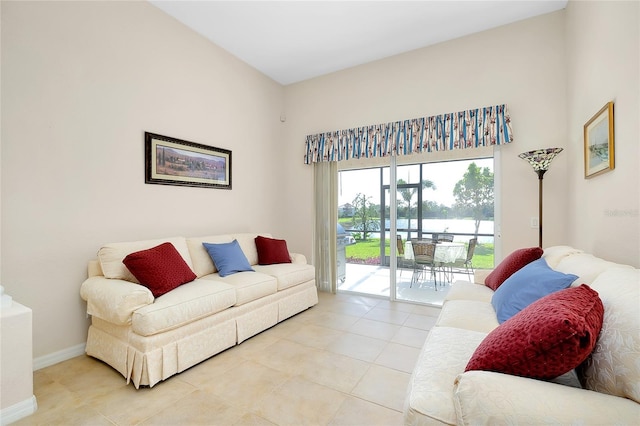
540,160
540,174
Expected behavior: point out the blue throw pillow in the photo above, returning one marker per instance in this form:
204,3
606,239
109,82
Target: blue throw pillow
527,285
228,258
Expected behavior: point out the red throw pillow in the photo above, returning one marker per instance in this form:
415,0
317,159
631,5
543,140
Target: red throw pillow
548,338
271,250
511,264
160,269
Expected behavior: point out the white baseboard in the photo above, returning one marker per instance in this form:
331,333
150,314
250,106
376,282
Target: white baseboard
29,406
56,357
17,411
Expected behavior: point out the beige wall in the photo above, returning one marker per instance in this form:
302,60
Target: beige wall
521,65
603,64
81,82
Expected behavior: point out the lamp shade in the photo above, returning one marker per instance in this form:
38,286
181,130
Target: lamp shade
540,159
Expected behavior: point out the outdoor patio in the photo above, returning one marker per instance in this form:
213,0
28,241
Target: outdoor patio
374,280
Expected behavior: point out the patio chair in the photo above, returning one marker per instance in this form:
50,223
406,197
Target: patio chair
423,259
401,261
465,265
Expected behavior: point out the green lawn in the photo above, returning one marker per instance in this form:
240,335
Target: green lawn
369,252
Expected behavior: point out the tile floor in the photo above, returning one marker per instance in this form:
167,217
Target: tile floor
346,361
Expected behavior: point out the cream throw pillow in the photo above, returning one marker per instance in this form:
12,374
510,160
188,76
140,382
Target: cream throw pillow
613,366
111,256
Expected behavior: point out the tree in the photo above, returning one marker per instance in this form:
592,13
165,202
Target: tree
408,193
474,193
405,193
365,212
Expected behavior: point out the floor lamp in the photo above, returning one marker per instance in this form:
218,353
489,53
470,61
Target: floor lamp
540,159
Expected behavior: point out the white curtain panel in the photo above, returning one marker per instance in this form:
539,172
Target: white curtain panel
326,221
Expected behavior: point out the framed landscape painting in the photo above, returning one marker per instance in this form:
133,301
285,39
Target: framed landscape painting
171,161
599,143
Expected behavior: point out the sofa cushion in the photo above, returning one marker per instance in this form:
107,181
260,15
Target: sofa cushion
487,398
554,254
202,262
247,242
527,285
613,366
464,290
288,274
444,355
468,314
586,266
248,285
111,256
271,250
160,269
545,340
185,304
510,265
228,258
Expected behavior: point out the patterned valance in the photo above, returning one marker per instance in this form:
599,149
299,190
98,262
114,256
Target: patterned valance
473,128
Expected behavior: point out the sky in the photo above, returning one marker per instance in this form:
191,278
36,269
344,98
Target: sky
444,175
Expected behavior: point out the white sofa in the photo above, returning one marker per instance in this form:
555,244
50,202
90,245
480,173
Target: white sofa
149,339
608,388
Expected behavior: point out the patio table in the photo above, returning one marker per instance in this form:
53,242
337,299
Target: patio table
445,252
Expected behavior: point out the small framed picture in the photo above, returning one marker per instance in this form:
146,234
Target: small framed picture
171,161
599,143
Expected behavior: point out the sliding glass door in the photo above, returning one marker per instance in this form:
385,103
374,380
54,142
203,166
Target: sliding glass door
385,208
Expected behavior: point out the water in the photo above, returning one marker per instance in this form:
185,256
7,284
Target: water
455,226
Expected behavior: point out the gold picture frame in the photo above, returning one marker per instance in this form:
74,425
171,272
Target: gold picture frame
599,152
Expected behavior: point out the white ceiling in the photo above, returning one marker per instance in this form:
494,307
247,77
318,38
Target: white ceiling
291,41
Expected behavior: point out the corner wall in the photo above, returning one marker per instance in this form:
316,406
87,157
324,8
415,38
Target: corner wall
521,64
81,83
603,64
